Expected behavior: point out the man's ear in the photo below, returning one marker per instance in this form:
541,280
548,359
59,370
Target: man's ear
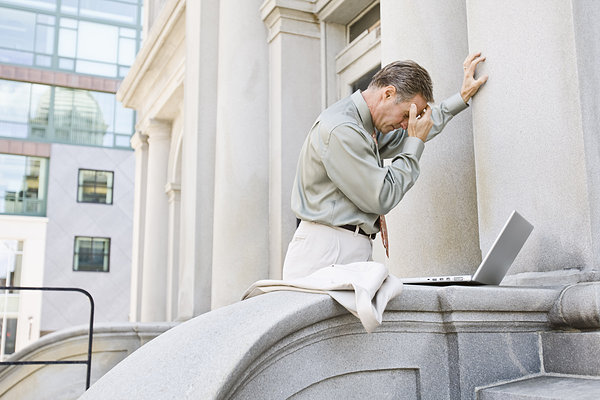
390,92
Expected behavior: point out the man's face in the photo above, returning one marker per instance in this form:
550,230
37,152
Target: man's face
389,115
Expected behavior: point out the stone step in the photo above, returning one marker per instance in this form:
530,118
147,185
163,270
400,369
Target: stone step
544,387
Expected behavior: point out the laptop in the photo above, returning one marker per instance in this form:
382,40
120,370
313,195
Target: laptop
497,261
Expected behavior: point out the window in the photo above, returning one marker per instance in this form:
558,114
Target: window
357,62
367,21
95,186
95,37
23,184
11,256
64,115
91,254
363,82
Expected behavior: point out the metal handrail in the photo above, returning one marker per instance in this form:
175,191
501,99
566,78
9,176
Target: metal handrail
88,362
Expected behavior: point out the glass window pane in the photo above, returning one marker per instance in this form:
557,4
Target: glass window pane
13,129
16,29
15,57
126,51
125,32
123,119
87,176
94,68
48,5
44,40
68,23
123,72
67,42
45,19
110,10
14,101
108,140
66,63
97,42
40,108
91,254
43,61
106,104
22,184
123,141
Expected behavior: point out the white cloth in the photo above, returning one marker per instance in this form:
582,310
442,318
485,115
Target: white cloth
363,288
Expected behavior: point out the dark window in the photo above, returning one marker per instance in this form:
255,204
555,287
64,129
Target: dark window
363,82
95,186
366,22
91,254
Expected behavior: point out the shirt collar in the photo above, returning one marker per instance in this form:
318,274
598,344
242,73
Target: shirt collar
363,111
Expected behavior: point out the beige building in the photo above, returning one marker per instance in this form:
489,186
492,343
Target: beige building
226,92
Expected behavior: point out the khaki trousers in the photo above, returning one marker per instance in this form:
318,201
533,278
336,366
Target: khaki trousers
315,246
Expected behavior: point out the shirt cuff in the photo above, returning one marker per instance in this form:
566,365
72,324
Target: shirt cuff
414,146
455,104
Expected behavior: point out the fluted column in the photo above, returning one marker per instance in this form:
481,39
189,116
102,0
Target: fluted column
434,228
139,143
241,216
531,148
154,280
294,78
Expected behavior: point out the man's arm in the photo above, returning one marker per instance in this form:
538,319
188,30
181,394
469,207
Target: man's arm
353,167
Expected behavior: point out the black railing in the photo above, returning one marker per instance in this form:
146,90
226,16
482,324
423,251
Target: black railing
88,362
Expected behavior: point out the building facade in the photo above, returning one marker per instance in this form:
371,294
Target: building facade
226,92
66,165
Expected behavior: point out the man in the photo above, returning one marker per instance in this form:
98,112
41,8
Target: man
341,187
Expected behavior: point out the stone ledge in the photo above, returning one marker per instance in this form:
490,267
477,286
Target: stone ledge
228,351
549,387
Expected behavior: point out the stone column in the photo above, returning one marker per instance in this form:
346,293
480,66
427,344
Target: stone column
154,277
198,161
434,228
587,42
173,191
530,144
294,87
139,143
241,205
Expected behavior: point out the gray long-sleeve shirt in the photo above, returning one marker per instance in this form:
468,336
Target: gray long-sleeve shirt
340,179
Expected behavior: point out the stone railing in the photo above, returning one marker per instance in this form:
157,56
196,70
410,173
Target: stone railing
435,343
112,343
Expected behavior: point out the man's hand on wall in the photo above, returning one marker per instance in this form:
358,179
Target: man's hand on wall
471,85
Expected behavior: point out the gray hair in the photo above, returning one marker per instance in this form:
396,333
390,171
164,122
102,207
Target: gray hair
409,79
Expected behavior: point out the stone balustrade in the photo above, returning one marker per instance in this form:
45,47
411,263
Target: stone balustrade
435,343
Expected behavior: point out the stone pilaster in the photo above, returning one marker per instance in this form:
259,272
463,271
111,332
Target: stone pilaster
294,80
529,140
198,161
241,202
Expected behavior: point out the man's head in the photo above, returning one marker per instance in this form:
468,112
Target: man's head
393,89
407,77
